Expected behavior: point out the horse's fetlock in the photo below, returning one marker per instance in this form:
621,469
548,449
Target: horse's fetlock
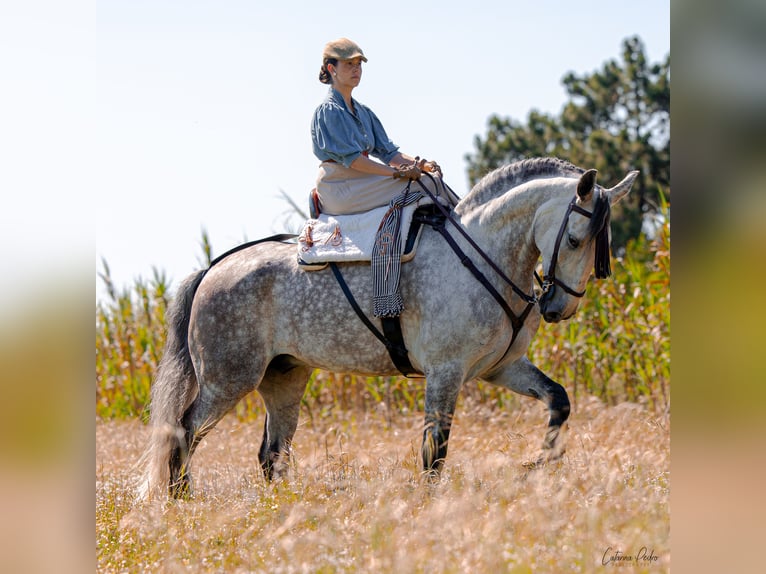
554,443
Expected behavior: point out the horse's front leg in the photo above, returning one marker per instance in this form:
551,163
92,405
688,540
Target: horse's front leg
442,390
526,379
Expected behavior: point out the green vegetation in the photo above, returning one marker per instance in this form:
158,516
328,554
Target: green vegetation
130,338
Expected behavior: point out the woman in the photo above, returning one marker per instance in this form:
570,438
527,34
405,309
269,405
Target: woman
345,133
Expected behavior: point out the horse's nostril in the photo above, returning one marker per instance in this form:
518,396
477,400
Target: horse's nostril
552,316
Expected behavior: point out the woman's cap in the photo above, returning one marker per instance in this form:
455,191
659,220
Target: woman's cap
343,49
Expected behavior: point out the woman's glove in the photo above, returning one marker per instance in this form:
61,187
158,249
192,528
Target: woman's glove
432,167
409,171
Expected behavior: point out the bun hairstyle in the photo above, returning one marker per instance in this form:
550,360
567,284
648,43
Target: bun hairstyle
324,73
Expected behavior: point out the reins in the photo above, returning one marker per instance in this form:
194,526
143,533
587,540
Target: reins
448,215
549,279
517,321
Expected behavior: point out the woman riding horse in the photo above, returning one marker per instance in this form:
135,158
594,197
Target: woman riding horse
345,133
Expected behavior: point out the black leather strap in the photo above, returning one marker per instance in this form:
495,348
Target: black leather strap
392,339
282,238
392,329
528,298
516,322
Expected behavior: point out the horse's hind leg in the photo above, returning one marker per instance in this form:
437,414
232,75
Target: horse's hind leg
524,378
212,403
282,390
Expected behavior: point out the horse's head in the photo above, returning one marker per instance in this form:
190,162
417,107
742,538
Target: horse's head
573,234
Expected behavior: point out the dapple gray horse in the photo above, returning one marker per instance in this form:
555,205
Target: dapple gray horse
257,321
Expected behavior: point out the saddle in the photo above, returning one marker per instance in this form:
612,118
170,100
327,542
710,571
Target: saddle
343,238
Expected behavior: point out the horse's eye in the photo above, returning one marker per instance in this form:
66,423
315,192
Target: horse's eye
573,241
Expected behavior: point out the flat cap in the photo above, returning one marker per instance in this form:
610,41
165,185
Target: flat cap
343,49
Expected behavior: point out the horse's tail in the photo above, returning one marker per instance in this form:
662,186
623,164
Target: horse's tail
174,389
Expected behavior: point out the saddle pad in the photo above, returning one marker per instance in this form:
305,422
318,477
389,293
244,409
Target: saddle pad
348,237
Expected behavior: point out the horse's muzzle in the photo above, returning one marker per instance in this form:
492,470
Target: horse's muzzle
551,311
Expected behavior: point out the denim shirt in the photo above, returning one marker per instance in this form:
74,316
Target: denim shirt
339,135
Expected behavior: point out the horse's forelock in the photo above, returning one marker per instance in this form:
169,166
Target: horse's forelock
599,229
602,211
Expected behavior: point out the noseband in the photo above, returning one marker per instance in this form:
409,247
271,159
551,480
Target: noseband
602,250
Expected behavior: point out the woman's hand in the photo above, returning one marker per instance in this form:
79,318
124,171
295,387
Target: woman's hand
408,171
432,167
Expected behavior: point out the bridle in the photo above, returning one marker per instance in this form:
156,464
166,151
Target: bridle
549,278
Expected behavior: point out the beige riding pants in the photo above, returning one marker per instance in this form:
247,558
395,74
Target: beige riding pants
342,190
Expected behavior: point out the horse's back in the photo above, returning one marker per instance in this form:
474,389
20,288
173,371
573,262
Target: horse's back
259,301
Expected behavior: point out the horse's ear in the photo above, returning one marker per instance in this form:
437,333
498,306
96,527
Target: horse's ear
621,189
586,184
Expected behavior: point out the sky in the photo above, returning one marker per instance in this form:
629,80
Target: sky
198,112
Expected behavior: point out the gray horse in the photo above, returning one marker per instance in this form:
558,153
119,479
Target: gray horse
256,321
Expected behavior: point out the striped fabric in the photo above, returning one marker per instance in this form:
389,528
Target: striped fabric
386,257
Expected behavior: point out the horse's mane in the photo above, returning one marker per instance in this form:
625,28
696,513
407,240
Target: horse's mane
510,175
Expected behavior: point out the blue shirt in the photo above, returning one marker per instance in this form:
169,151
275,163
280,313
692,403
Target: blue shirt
341,136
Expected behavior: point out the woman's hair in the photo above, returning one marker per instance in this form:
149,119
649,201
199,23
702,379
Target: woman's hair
324,73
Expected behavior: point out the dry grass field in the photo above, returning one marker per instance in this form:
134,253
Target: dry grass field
355,500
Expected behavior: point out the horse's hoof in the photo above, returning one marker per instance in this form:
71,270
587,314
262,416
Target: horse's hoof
544,460
431,476
181,490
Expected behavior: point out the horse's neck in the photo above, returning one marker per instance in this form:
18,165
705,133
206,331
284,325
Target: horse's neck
504,225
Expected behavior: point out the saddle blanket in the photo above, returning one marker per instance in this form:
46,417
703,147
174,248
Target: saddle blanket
349,237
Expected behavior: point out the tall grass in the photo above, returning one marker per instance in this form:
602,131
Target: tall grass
616,348
355,500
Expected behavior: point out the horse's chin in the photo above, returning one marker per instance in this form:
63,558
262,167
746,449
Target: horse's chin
555,317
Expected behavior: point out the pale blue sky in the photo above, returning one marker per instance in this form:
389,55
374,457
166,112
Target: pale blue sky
203,108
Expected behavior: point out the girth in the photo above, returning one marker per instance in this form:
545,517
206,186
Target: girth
391,337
